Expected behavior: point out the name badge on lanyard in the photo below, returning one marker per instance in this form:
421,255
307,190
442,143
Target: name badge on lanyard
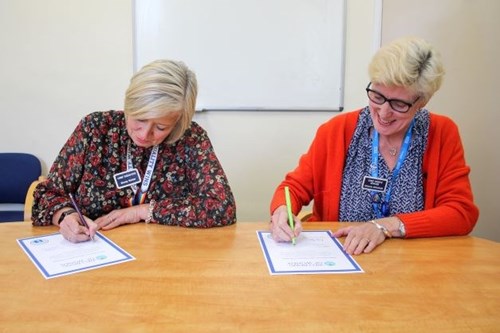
127,178
132,173
374,184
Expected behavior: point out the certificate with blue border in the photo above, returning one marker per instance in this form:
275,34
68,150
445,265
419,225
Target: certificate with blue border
55,256
315,252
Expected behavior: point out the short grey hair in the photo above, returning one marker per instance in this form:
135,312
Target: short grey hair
409,62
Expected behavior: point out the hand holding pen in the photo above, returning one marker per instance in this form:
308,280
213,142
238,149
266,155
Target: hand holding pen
285,227
77,232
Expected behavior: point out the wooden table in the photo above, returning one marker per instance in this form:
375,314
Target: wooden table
216,280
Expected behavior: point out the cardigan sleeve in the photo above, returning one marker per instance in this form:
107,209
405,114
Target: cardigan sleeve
319,173
300,182
449,207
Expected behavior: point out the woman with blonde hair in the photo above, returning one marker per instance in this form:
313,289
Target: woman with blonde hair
149,163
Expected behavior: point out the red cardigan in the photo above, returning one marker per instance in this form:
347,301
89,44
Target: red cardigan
448,209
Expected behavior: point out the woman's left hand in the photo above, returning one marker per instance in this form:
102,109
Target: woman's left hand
362,238
119,217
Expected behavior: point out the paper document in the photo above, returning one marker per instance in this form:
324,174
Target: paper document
315,252
55,256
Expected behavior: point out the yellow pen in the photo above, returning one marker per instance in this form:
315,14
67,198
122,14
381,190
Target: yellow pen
289,211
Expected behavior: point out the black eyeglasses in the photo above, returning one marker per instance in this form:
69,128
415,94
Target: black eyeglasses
396,104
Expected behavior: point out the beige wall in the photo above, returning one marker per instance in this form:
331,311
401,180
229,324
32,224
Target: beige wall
65,58
59,60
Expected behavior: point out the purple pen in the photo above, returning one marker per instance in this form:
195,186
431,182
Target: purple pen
75,206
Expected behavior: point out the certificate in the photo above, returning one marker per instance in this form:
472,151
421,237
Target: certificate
55,256
315,252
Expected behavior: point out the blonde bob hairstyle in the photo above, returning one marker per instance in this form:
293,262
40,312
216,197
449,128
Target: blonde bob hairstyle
160,88
408,62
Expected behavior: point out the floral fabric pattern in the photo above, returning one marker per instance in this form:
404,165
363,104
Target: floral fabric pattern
188,183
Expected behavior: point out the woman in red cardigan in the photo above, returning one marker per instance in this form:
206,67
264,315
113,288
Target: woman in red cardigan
392,164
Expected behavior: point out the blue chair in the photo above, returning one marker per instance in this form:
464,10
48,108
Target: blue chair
17,172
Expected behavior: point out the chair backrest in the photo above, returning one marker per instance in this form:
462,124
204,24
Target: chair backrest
28,203
17,172
304,215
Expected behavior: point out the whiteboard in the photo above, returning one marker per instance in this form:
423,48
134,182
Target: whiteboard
250,54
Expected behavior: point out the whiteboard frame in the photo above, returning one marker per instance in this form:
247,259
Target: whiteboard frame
208,107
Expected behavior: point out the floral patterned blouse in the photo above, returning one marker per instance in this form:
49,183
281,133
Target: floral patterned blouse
188,183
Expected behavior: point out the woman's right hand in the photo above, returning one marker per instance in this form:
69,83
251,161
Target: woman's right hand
72,230
280,229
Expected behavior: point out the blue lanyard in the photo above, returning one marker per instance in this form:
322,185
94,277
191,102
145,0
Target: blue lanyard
395,172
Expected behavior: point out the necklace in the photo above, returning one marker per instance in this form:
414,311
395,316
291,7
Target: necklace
393,151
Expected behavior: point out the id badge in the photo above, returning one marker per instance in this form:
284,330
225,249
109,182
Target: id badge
127,178
374,184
